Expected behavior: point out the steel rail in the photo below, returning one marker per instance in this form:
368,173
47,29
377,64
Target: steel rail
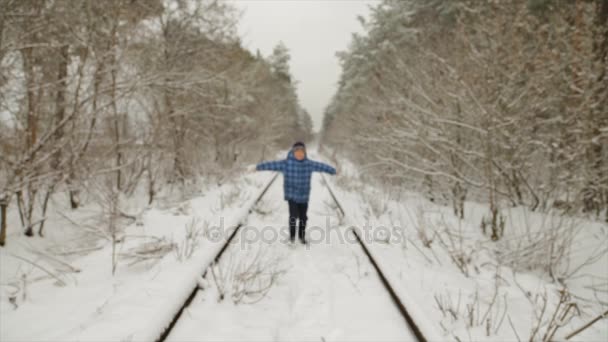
387,285
177,316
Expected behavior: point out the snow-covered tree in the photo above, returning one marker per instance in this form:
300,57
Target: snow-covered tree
130,93
489,99
279,60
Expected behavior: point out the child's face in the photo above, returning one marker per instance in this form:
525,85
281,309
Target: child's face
299,153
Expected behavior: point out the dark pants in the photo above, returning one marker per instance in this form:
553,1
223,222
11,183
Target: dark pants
297,211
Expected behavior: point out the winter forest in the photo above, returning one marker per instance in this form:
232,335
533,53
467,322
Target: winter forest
470,202
111,92
498,101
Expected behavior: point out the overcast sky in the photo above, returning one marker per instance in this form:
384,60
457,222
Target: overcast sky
313,30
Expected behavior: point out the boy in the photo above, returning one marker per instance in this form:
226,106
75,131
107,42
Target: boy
297,170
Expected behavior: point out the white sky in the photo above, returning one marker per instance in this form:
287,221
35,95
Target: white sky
313,30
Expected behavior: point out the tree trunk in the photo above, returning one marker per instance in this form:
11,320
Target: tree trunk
31,136
30,204
3,206
31,98
45,206
117,120
74,201
97,79
60,103
179,172
151,185
601,52
2,24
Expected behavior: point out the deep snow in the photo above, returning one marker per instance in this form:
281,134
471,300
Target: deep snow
494,301
327,291
135,304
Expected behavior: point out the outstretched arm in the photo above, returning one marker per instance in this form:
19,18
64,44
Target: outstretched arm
322,167
276,165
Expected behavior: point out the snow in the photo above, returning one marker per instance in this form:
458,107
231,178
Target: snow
423,322
325,291
139,301
329,290
492,289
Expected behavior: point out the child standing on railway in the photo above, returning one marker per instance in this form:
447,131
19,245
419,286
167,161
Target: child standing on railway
297,170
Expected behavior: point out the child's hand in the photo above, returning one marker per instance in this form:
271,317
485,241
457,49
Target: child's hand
250,168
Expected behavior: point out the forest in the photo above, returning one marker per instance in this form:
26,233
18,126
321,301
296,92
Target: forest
107,97
504,102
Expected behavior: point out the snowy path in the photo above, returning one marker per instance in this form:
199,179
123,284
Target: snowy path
329,290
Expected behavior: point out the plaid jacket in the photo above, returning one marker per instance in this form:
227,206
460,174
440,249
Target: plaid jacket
296,175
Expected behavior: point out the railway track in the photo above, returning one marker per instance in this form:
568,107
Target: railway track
421,334
414,326
235,230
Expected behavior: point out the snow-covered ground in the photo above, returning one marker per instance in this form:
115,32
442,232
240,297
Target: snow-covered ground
473,288
460,284
61,287
328,291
